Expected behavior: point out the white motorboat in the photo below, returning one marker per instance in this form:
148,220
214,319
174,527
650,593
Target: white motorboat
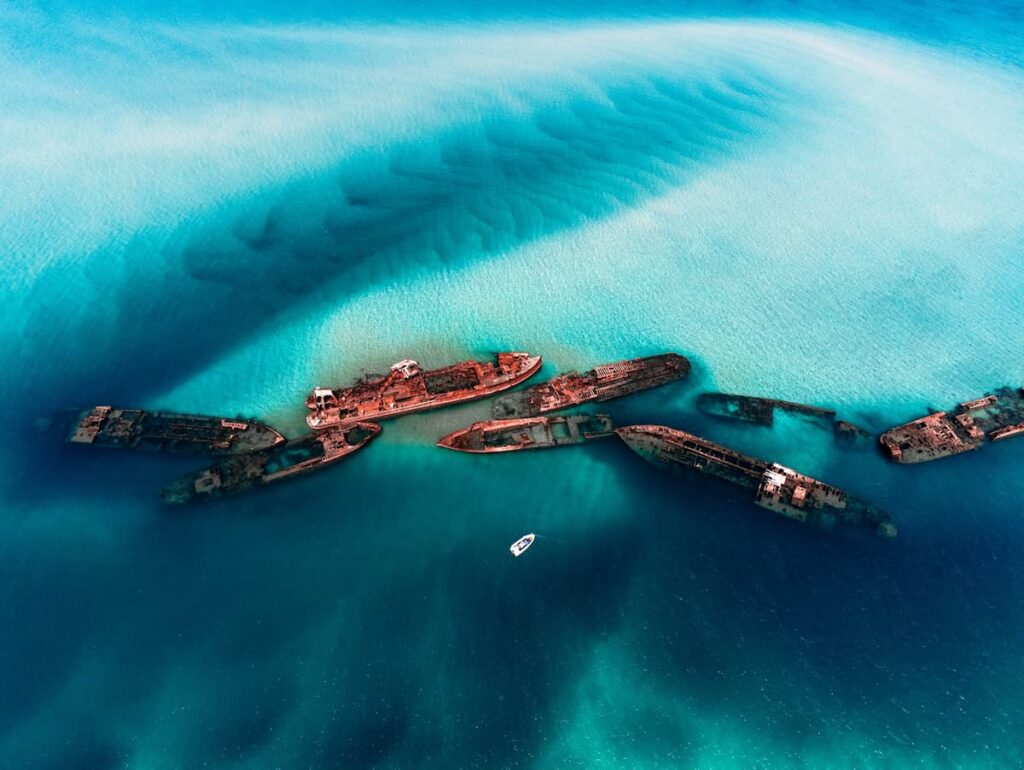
522,544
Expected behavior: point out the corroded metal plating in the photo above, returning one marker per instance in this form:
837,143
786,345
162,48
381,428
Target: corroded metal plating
994,417
406,388
490,436
266,466
602,383
163,431
775,487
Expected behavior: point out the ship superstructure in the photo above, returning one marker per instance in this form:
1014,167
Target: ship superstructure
994,417
528,433
266,466
162,431
774,486
602,383
407,388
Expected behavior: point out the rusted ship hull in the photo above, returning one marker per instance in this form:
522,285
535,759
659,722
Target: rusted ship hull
994,417
761,411
181,433
774,487
407,389
267,466
755,409
491,436
850,433
602,383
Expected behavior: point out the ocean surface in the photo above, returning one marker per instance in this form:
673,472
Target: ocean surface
213,210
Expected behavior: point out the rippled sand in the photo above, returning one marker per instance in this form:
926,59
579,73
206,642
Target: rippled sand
809,212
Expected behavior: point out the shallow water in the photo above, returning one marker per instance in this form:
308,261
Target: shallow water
217,211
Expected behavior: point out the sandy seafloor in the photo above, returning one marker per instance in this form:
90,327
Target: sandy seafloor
214,211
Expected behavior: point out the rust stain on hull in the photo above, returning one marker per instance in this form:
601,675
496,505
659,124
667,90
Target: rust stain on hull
602,383
489,436
107,426
267,466
775,487
406,388
971,424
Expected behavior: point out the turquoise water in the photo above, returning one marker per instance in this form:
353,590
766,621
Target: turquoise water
215,211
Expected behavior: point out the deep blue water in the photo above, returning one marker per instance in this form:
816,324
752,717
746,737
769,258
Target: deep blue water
214,210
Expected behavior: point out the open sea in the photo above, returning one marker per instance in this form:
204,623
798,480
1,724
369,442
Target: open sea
214,209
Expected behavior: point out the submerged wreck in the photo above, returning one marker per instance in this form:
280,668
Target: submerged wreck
267,466
761,411
994,417
107,426
490,436
775,487
602,383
